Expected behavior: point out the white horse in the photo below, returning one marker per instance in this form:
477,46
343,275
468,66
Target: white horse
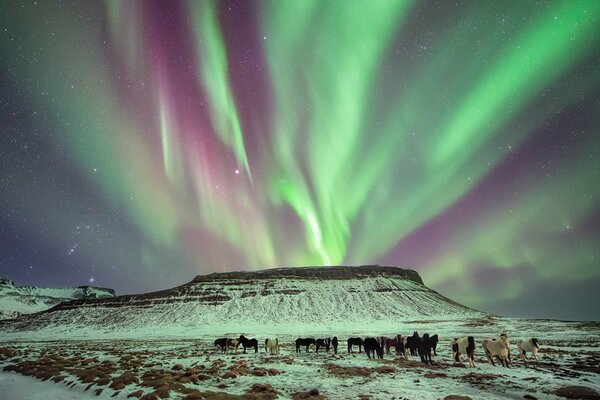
272,346
461,346
532,345
497,348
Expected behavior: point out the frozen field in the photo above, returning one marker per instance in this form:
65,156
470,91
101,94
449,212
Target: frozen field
190,367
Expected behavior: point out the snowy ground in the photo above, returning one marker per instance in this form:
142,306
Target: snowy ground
180,367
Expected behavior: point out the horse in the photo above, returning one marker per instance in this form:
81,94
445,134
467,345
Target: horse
372,346
232,344
272,346
529,345
304,342
424,349
395,342
499,348
461,346
245,342
400,346
412,342
222,343
355,341
334,343
433,340
323,343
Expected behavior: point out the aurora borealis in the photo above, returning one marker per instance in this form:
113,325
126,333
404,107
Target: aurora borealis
144,142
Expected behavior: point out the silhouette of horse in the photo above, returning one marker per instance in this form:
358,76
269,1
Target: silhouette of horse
304,342
372,346
433,340
323,343
334,343
412,342
424,349
245,342
222,343
355,341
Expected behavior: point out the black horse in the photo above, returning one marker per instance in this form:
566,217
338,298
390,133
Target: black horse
245,342
323,343
334,343
223,343
424,349
372,346
399,345
355,341
412,342
433,340
304,342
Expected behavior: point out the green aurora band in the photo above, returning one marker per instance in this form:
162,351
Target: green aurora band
373,132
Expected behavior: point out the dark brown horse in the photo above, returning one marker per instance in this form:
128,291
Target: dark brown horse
372,346
323,343
222,342
304,342
355,341
245,342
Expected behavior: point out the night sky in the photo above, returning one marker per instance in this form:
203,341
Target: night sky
145,142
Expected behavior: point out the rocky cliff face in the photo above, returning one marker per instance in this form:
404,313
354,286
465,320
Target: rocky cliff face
275,300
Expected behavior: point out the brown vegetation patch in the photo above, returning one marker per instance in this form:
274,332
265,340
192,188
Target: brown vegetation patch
137,394
312,394
477,378
577,392
435,375
346,372
7,352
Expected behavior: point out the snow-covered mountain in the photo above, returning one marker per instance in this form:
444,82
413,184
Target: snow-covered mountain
308,299
18,300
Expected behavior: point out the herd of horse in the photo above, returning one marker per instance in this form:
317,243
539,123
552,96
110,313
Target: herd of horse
376,347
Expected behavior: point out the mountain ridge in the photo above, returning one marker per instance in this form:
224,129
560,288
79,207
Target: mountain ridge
276,300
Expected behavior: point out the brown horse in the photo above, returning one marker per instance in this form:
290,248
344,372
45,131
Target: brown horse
395,342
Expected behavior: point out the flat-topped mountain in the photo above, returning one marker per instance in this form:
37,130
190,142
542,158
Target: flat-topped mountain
329,272
307,299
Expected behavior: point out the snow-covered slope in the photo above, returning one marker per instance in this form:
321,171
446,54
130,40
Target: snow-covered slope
276,300
18,300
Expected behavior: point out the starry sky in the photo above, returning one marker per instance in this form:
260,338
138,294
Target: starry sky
145,142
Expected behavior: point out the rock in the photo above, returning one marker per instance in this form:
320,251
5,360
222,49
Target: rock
137,394
456,397
577,392
177,367
529,397
313,392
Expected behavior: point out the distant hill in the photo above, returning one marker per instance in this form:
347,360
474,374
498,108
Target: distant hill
19,300
306,299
